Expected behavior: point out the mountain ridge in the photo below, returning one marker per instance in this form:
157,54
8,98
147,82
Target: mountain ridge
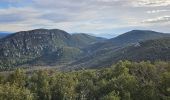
127,38
24,46
152,50
53,47
100,52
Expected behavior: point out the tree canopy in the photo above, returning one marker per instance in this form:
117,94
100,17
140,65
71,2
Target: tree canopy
122,81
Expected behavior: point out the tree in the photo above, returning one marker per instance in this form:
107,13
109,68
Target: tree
111,96
63,87
165,85
18,77
39,84
13,92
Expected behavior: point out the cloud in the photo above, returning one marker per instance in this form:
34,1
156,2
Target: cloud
10,18
150,3
19,18
157,11
12,14
99,16
162,19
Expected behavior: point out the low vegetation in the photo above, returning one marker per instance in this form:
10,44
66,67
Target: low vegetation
122,81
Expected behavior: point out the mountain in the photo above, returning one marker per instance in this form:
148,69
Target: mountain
125,39
135,45
136,36
158,49
152,50
3,34
86,39
42,45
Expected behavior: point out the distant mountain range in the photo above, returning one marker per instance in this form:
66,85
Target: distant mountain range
3,34
42,47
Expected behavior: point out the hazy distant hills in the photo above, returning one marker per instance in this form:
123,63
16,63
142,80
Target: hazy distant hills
3,34
42,47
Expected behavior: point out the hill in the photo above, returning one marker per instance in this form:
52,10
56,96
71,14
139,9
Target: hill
41,45
125,39
135,36
86,39
152,50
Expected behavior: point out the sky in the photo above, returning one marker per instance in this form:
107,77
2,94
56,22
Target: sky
99,17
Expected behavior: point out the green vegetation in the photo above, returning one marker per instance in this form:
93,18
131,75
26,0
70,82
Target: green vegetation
54,47
82,39
122,81
42,47
152,50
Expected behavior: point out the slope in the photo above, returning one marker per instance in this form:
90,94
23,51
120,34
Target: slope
126,39
40,45
154,49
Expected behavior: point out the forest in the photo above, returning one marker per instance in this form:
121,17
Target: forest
124,80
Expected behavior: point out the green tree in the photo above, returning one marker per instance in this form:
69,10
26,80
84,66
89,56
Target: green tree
165,85
39,83
18,77
13,92
63,87
111,96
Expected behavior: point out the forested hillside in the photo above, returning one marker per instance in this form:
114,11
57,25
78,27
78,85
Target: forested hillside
42,47
126,39
152,50
59,49
122,81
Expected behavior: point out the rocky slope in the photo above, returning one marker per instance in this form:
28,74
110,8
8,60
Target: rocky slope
42,44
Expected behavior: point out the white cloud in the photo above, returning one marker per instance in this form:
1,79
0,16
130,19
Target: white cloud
17,14
162,19
150,3
157,11
84,15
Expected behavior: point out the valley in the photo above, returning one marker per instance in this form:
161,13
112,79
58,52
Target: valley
58,49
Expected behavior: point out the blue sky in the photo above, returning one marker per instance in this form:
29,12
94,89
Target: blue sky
100,17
